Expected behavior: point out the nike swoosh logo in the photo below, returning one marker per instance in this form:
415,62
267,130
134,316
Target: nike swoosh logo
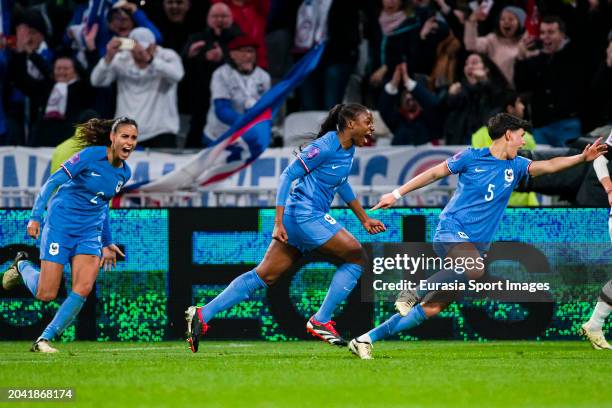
335,167
477,170
93,173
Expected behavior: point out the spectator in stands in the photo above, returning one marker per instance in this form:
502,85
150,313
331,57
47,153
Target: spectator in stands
553,76
177,22
601,89
473,100
109,19
502,46
251,16
203,53
147,78
514,106
30,60
325,87
5,15
235,87
64,94
405,111
396,40
433,30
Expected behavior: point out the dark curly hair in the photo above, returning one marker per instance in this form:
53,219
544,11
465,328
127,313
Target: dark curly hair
96,132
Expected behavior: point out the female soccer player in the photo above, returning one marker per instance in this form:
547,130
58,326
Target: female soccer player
592,330
487,177
302,224
76,226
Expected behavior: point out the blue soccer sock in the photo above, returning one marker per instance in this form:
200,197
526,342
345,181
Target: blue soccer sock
238,290
29,273
395,324
342,284
443,276
64,316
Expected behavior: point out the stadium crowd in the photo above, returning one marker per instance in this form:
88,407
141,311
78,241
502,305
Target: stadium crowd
185,70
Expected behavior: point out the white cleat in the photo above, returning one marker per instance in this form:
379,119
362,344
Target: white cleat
406,300
596,337
11,277
361,349
43,346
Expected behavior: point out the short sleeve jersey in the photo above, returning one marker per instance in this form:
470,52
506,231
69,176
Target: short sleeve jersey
327,165
483,190
80,205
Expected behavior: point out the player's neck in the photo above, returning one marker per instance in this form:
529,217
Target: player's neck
499,149
346,141
114,161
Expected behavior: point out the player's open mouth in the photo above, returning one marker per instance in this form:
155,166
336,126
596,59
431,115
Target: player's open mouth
126,150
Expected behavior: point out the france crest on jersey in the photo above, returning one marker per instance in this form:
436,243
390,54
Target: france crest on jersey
483,190
81,203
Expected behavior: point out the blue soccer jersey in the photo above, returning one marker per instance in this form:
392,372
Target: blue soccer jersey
483,190
80,204
327,165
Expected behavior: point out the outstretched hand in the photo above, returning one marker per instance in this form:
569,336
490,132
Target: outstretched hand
374,226
109,257
593,151
386,201
280,233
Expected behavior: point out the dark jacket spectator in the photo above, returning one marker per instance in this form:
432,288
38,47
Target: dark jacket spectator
601,88
202,55
395,40
62,97
177,22
407,113
472,101
554,78
29,61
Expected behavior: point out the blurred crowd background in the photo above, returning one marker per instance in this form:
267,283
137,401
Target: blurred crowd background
434,71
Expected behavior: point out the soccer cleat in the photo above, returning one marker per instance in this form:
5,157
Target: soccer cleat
405,301
596,337
361,349
195,327
43,346
325,331
11,277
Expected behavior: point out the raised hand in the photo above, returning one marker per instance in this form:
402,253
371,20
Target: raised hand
591,152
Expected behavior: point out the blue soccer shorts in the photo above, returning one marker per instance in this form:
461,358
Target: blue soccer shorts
308,232
59,247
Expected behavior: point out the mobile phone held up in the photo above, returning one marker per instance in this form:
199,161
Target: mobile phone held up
126,44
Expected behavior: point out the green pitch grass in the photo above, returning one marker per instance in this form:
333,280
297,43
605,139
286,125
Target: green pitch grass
312,374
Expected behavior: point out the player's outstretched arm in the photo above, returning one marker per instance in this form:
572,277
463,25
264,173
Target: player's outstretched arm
590,153
427,177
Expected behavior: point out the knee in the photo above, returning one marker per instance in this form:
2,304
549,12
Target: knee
46,295
83,289
356,255
269,277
